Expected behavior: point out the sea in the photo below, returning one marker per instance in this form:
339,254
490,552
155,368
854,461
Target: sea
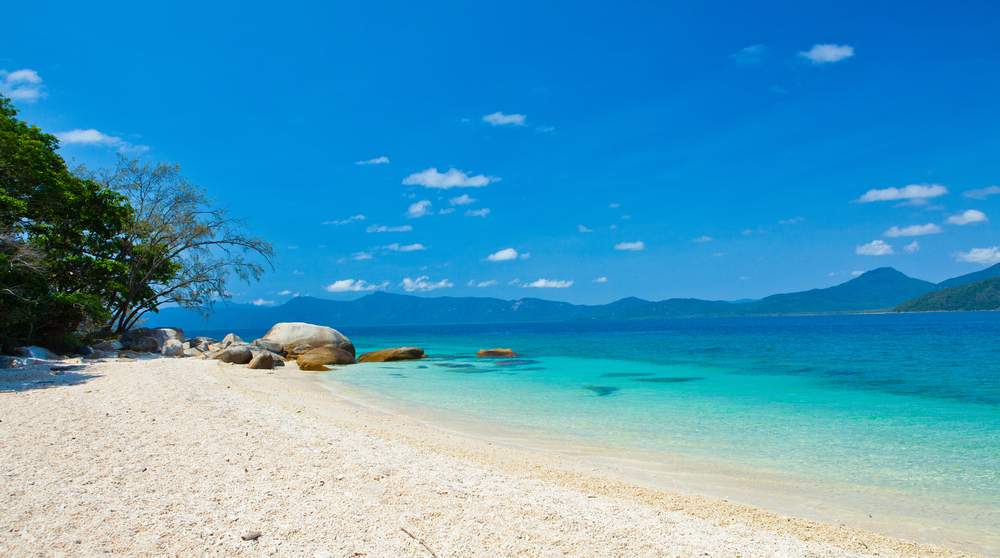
889,421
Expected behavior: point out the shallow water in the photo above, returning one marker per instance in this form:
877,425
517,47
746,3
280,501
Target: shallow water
908,403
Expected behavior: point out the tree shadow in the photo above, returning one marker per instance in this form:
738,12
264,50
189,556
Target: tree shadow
42,377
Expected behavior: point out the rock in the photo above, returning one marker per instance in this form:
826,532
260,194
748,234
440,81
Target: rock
496,353
298,335
98,354
35,351
237,354
231,339
315,359
172,348
262,361
150,340
194,352
85,350
272,346
109,345
389,355
250,536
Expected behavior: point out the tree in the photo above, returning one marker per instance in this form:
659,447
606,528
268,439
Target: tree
177,248
59,238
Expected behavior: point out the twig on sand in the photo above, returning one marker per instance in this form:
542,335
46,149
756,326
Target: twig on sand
419,540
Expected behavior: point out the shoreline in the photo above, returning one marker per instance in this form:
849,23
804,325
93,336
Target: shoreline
314,470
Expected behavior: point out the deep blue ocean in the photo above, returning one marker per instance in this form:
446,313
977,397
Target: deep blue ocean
903,402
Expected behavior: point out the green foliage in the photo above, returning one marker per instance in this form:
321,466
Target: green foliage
59,238
983,295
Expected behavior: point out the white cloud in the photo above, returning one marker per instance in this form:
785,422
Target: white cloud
482,284
601,279
912,248
484,212
354,286
351,219
505,255
91,136
912,230
418,209
262,302
423,284
446,211
752,54
380,160
702,239
614,205
874,248
362,256
548,284
21,85
397,247
909,192
986,256
635,246
968,217
857,273
501,119
287,292
388,229
584,229
827,53
792,221
452,178
464,199
982,193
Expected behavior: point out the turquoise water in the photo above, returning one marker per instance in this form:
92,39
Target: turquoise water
909,403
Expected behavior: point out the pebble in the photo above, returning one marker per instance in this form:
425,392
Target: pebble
251,536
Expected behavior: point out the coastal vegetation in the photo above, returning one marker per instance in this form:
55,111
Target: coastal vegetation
84,252
982,295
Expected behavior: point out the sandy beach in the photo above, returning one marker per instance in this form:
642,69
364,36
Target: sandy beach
186,457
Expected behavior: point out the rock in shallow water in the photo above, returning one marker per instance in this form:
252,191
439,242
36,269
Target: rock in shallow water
315,359
389,355
496,353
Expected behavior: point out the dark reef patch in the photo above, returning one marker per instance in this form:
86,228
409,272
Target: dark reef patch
626,374
601,391
676,380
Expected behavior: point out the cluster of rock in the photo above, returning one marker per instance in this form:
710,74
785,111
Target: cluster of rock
312,347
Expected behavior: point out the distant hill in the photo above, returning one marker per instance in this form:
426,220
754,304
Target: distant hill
983,295
880,289
969,278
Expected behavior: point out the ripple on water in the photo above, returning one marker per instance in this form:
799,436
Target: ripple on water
670,380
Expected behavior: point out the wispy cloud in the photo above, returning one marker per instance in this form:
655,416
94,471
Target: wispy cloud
418,209
912,248
982,193
986,256
874,248
912,230
545,129
22,85
388,229
548,284
482,284
91,136
380,160
601,279
506,255
635,246
397,247
362,256
464,199
262,302
349,220
501,119
584,229
909,192
483,212
355,286
452,178
287,292
423,284
752,54
792,221
702,239
967,217
827,53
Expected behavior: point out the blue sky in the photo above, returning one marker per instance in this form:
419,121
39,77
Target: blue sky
652,149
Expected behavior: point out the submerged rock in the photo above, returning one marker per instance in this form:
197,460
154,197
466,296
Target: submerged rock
297,338
389,355
496,353
316,359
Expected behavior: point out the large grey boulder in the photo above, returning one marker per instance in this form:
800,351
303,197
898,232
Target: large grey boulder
236,354
34,351
298,337
150,340
172,348
232,339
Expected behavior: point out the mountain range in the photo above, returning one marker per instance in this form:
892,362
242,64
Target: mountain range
880,289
